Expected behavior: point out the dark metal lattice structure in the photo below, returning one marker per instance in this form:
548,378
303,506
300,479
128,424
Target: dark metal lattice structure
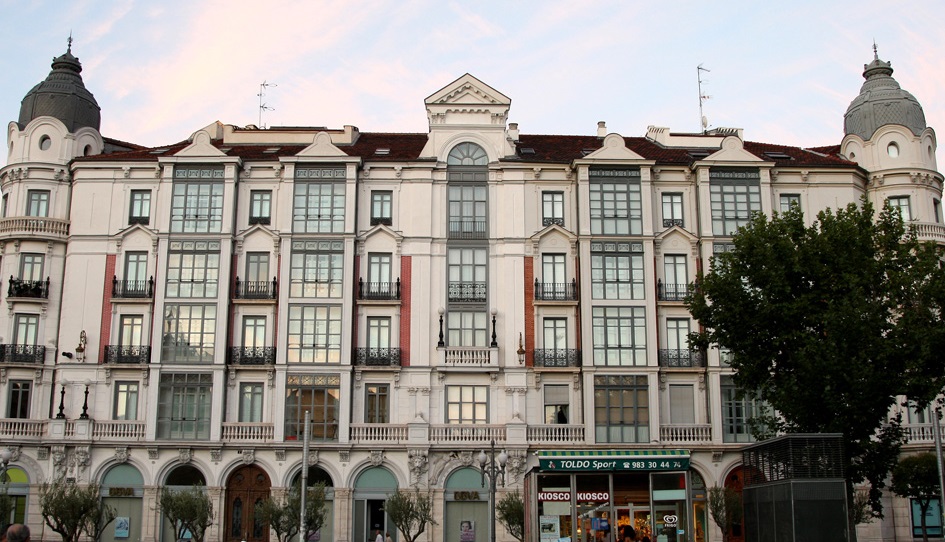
794,457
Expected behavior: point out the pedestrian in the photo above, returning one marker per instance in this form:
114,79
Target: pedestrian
379,537
388,538
18,533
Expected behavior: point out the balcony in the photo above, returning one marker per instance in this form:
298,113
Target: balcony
555,434
120,430
670,222
252,355
920,433
681,358
467,229
378,433
385,220
13,429
133,289
671,292
548,220
466,292
35,289
30,354
34,226
471,434
692,433
378,291
247,432
377,357
562,357
930,231
470,357
263,220
549,291
256,289
128,355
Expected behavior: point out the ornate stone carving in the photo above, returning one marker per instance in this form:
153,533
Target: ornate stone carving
249,456
377,457
216,455
153,453
81,457
418,464
280,454
14,453
42,453
516,464
186,455
344,456
121,454
312,457
466,458
59,461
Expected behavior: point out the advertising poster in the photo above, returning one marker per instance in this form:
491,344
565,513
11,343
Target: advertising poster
122,527
549,527
467,531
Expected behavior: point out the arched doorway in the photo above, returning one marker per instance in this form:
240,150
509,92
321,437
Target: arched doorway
467,507
246,490
316,475
700,511
182,478
736,481
371,489
123,490
18,488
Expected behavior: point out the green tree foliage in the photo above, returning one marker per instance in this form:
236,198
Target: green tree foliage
510,511
71,510
410,512
189,510
725,507
283,516
830,323
916,477
6,507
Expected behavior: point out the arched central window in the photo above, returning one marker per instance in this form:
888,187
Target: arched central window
467,154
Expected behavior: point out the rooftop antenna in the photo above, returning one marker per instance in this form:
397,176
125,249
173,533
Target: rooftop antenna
263,107
704,122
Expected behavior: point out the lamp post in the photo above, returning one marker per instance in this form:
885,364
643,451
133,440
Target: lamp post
5,456
496,472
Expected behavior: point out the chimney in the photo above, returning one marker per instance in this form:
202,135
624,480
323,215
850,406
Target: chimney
601,129
513,131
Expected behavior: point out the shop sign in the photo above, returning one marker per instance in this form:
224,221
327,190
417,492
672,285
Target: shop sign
466,496
581,496
121,492
612,464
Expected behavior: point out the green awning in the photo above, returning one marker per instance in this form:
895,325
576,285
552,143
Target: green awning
612,460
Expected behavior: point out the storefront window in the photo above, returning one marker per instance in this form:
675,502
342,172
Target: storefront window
670,509
554,507
593,507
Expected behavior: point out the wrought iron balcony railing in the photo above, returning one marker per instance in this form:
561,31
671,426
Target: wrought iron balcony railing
467,229
671,357
557,357
378,290
671,292
256,289
22,353
252,355
385,220
550,291
133,289
377,357
28,288
547,221
467,292
259,220
670,222
132,355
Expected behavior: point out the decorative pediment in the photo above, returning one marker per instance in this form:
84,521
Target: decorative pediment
257,230
201,145
733,150
675,232
468,90
614,148
322,146
381,230
553,235
136,230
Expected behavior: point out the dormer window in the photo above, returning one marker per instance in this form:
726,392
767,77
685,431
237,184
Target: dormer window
892,150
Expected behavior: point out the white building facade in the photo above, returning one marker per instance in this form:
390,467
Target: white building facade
173,312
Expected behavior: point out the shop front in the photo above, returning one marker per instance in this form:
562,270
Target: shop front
600,495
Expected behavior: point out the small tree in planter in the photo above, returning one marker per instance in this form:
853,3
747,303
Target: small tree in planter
410,513
71,510
916,477
510,511
190,510
725,506
283,517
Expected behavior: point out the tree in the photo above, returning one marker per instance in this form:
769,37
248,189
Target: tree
830,324
725,506
71,510
916,477
189,510
510,511
283,517
410,513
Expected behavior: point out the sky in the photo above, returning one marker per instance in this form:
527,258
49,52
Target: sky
785,72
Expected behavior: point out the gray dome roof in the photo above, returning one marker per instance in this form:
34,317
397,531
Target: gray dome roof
881,102
63,96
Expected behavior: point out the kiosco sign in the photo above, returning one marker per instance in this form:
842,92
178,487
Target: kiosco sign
580,496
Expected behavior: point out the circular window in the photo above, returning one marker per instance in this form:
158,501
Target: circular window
45,143
892,150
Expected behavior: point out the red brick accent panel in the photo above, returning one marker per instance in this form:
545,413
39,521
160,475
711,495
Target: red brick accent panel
106,320
529,311
406,310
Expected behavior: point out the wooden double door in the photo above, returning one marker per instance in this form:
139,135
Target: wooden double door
246,489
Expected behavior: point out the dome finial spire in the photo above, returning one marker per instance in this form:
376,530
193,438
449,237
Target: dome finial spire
875,50
69,42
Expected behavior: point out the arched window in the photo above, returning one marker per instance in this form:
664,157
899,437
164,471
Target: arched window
467,154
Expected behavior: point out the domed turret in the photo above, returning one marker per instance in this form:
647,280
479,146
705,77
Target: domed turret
62,95
881,102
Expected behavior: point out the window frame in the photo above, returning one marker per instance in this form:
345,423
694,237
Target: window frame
185,406
199,342
125,400
19,401
614,397
786,201
260,207
32,266
551,404
251,402
193,269
618,271
318,200
466,404
324,422
382,203
139,207
552,208
620,323
463,328
377,403
738,409
903,205
316,269
734,197
197,200
37,203
326,318
672,206
615,201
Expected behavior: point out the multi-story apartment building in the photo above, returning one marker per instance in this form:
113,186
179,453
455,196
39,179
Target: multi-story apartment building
173,312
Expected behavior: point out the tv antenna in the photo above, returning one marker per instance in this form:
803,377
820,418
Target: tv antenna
704,122
262,106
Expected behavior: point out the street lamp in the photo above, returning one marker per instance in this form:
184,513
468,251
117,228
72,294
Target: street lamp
5,456
496,471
